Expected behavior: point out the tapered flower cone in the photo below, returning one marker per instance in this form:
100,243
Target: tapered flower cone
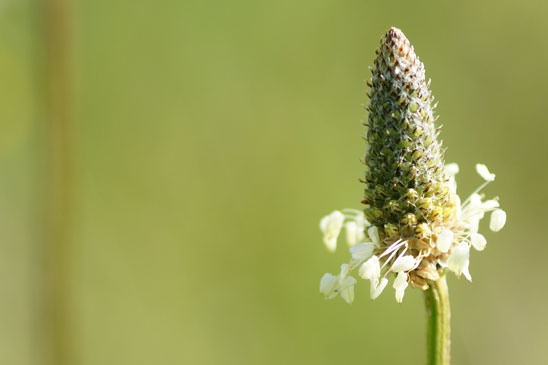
405,180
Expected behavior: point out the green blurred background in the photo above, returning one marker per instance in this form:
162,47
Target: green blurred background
211,136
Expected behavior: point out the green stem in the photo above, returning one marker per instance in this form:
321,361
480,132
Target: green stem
57,159
438,316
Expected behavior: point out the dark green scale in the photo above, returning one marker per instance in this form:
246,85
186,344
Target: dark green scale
406,183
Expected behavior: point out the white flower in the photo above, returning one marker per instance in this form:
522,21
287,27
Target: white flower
328,283
400,284
498,219
346,287
459,260
484,172
478,241
331,227
444,241
373,233
371,269
377,287
354,232
331,285
403,263
362,251
451,169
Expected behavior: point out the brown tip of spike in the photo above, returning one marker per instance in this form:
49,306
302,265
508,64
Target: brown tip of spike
398,43
394,32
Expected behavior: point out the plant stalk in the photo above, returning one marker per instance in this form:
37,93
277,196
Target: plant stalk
438,316
57,160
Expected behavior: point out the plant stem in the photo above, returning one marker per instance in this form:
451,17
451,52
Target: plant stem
438,316
58,182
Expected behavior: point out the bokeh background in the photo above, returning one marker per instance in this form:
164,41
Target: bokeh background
208,138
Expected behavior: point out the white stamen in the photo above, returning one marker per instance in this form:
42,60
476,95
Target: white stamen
331,226
362,251
377,287
444,241
328,283
478,241
371,269
346,288
403,263
452,169
351,233
400,284
373,233
490,204
498,219
392,255
459,260
483,171
394,246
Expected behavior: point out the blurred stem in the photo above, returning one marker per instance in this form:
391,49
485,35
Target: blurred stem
438,316
58,187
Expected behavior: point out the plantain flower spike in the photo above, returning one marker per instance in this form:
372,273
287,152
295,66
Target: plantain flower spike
414,225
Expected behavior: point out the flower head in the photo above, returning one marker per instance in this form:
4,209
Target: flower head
414,225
